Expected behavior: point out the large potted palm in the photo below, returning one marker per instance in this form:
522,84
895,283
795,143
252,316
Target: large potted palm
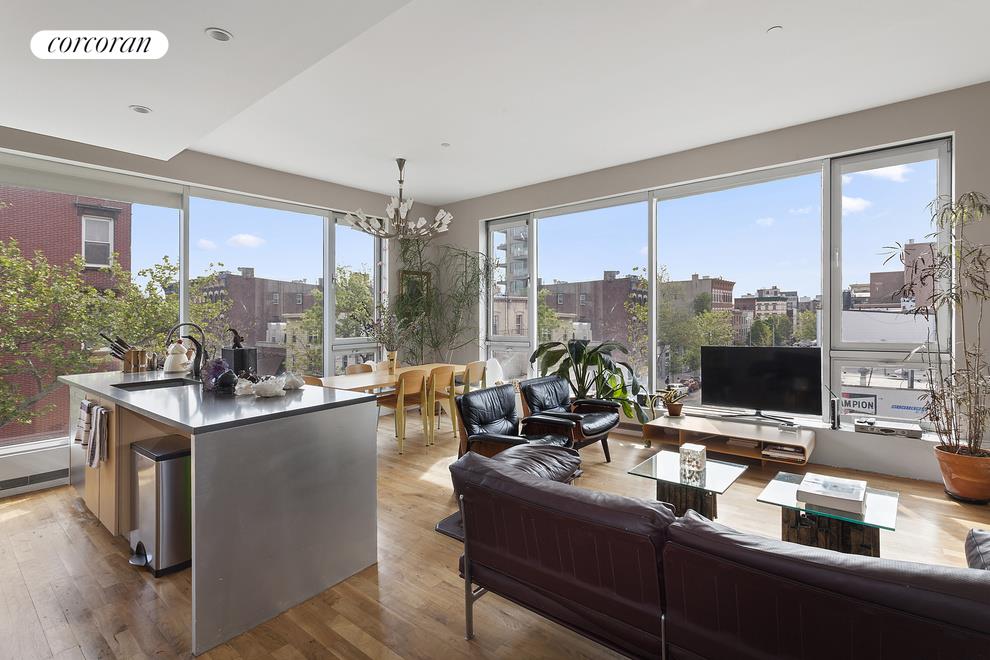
591,371
956,277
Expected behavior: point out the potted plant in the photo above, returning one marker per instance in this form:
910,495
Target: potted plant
956,278
671,399
391,333
592,372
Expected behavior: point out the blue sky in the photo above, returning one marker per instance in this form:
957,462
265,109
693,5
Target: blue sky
278,244
756,235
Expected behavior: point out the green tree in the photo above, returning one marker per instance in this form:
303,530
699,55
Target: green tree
714,328
781,329
760,333
807,326
51,319
547,320
702,303
355,304
48,329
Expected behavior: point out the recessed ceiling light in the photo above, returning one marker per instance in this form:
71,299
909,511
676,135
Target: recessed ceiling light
218,33
445,144
140,109
774,29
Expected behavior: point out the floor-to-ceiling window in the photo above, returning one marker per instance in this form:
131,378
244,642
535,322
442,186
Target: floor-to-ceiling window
882,234
356,284
592,277
77,259
818,254
738,264
509,312
259,270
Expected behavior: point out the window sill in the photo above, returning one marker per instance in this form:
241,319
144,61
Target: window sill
35,445
804,422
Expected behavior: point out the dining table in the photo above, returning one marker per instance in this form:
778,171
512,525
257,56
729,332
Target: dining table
374,380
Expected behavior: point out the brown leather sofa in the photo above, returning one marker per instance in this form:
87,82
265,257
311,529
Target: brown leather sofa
627,574
736,595
589,561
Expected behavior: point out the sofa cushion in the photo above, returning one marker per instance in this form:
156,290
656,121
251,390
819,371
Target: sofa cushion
958,596
542,457
598,423
978,549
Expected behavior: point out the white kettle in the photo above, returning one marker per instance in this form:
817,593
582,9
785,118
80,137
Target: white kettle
176,360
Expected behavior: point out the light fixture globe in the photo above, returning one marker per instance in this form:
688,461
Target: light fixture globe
397,223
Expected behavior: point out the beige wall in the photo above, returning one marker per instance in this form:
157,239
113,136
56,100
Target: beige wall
961,112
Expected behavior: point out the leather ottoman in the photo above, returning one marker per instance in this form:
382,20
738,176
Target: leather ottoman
548,462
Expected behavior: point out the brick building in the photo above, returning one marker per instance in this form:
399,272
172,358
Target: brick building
684,293
601,304
259,304
54,224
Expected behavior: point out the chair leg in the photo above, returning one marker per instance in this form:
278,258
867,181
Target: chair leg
468,604
401,421
608,457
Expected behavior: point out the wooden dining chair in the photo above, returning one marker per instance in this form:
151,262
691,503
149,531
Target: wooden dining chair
313,380
474,376
440,393
407,394
363,368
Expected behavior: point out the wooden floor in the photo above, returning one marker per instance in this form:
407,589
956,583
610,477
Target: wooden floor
67,591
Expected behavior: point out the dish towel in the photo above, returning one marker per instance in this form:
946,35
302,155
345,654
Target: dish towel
96,451
81,434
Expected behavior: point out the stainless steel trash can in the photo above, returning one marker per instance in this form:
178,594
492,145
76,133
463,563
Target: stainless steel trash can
162,484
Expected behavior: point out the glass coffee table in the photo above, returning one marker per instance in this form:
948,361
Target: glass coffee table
698,491
831,529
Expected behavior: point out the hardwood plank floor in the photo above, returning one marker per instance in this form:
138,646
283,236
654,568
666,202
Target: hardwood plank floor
67,591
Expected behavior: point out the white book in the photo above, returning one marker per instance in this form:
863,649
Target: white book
832,492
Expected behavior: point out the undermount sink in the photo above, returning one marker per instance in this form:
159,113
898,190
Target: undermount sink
156,384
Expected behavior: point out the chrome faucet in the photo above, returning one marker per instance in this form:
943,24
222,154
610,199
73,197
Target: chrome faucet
201,355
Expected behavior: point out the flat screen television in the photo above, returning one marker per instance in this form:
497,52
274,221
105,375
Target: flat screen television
780,378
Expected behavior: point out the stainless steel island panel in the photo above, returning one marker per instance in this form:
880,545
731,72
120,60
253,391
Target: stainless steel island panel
282,510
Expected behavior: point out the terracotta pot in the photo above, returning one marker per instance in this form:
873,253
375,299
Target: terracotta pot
966,478
674,409
391,361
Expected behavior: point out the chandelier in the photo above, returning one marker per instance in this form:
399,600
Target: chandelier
396,224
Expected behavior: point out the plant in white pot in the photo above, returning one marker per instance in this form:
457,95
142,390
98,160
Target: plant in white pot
955,278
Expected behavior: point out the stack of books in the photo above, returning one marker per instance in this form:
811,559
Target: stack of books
832,492
784,453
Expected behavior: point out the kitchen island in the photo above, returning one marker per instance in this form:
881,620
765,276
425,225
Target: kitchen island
283,490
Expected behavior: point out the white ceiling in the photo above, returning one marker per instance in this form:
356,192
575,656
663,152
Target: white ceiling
196,87
524,91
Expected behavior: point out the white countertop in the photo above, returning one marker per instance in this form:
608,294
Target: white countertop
189,408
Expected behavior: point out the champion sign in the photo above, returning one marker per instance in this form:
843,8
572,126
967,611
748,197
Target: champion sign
99,44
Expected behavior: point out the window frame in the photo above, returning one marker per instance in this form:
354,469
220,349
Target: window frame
943,153
84,218
492,342
332,344
835,354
